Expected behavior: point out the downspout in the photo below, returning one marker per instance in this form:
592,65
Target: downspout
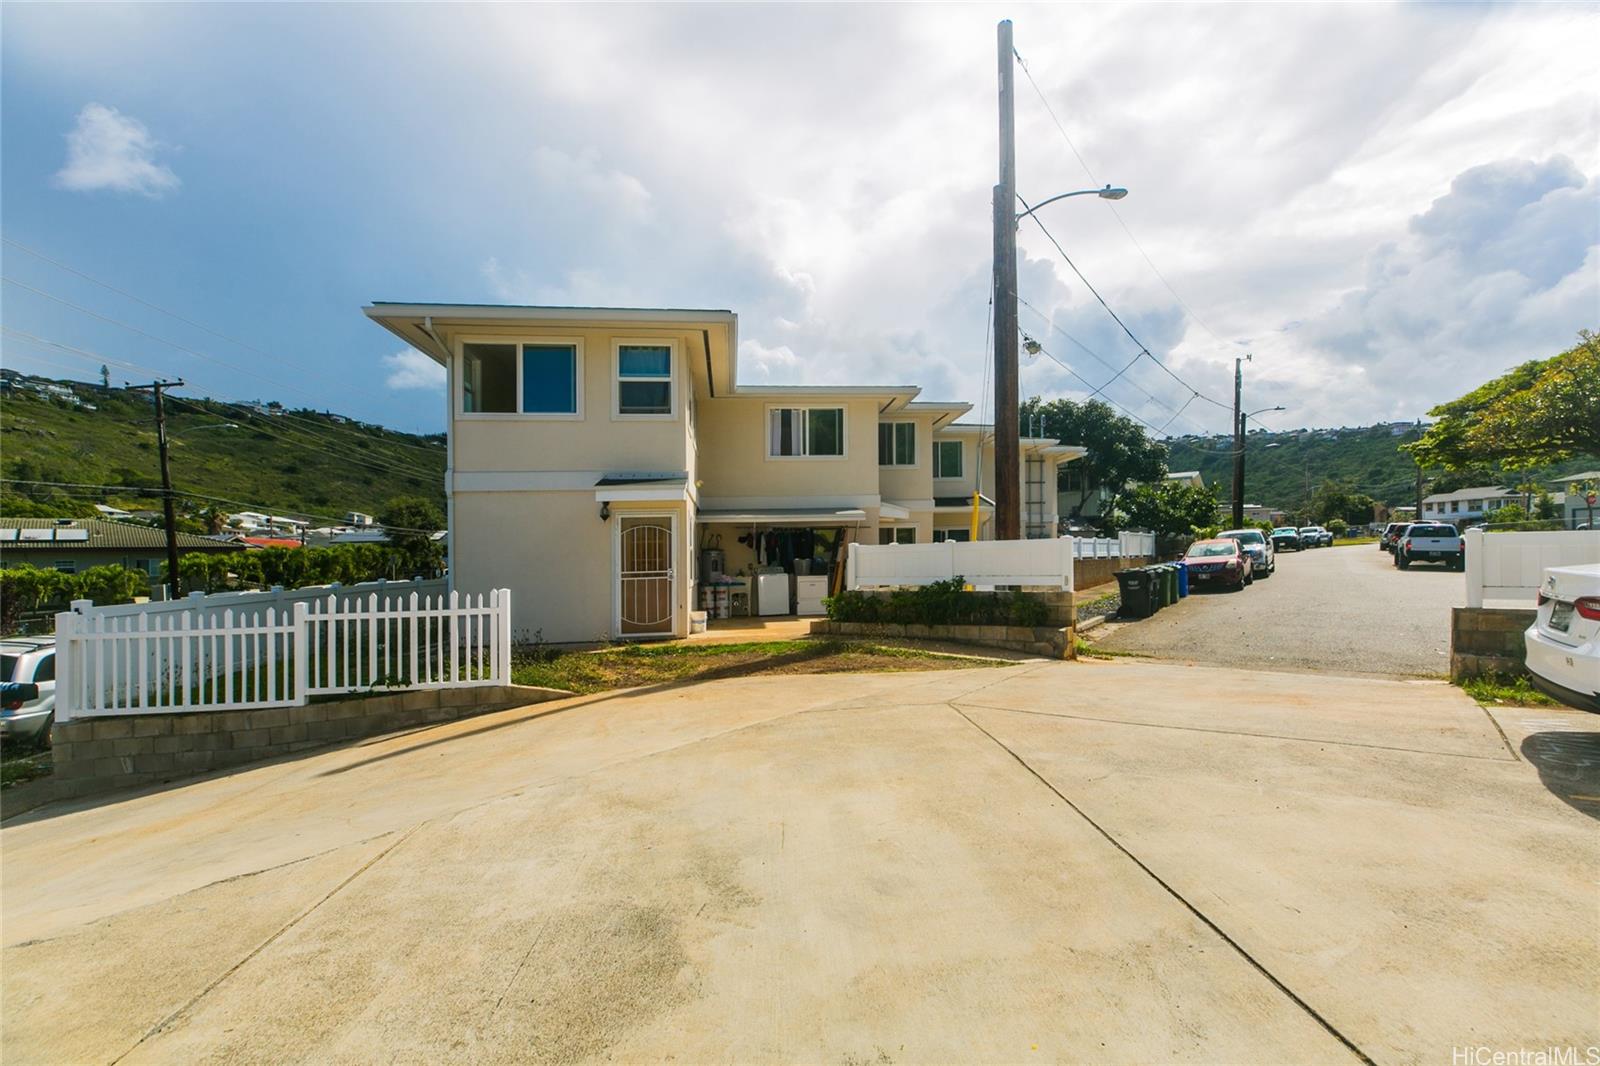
449,454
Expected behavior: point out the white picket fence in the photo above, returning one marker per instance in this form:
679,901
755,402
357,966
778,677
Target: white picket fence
117,660
1509,567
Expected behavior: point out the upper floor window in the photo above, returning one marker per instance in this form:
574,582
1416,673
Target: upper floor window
543,379
805,432
644,379
897,535
897,444
946,458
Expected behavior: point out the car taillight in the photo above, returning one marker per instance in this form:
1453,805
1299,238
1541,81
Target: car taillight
1408,544
1588,607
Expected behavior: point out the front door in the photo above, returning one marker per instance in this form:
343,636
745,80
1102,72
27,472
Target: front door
645,576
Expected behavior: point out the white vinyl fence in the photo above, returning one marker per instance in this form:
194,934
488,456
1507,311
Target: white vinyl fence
197,654
1038,563
1510,566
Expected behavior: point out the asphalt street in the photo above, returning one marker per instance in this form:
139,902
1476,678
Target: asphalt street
1343,610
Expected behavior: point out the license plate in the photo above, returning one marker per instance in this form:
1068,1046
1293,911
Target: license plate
1561,616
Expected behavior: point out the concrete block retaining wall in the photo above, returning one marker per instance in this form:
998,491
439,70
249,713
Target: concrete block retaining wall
98,754
1049,641
1087,573
1488,640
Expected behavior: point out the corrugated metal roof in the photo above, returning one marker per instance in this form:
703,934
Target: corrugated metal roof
103,535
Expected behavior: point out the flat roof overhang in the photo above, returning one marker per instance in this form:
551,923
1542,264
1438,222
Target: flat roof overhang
784,516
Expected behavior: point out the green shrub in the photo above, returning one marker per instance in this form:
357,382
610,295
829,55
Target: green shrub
943,603
29,588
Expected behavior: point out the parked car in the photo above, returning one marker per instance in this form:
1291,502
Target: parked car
1263,557
1430,542
1220,561
1391,533
1563,644
1285,537
1315,537
29,660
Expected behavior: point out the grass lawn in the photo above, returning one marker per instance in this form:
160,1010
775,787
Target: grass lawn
632,665
21,764
1506,690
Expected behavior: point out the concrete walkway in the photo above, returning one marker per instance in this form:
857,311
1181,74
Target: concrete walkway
1056,861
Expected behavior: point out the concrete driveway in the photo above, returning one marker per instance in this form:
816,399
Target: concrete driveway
1110,862
1346,610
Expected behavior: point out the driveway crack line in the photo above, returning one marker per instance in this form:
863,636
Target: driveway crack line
1497,728
1243,733
1259,967
268,942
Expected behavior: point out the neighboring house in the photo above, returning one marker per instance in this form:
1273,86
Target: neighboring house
112,513
74,545
1575,507
1191,478
1467,505
593,453
356,518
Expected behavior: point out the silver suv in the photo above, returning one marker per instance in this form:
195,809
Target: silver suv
1263,556
29,660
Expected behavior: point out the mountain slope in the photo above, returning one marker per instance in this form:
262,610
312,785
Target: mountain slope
1283,469
296,462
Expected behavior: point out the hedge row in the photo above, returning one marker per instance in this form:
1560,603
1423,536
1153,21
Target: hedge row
943,603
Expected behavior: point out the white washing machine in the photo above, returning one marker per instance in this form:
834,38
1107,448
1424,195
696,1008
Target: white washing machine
772,591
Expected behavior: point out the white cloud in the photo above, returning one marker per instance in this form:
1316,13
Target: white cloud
112,151
410,369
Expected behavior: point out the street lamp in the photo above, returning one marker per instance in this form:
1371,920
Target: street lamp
1107,193
1007,452
1238,464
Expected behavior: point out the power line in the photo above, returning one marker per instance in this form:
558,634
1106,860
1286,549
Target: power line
1062,129
1051,356
316,432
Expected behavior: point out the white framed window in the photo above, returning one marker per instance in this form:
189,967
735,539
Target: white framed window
897,535
942,535
947,458
520,377
897,444
643,378
805,433
66,566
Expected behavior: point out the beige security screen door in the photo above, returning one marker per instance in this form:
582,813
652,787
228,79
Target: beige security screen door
645,574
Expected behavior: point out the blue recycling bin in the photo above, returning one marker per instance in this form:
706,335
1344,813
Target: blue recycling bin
1183,579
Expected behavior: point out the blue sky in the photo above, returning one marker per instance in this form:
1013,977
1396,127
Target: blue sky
1385,205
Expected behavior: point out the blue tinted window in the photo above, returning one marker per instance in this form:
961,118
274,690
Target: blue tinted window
644,361
549,379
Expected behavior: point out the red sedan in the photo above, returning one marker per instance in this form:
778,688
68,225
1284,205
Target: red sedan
1218,562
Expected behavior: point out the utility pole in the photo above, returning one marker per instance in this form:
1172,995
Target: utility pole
1007,470
1238,444
158,387
1419,475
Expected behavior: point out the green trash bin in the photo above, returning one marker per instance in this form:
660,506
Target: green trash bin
1157,596
1172,582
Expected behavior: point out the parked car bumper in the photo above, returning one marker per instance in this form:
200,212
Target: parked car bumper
1562,672
29,723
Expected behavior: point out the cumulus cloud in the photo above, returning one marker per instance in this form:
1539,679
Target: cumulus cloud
107,150
410,369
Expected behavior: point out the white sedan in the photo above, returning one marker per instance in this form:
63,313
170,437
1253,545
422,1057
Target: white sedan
1563,644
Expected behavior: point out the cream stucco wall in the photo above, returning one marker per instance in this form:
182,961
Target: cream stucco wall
734,465
600,439
910,483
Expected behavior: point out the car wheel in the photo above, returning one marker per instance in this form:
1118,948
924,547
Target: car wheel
1402,562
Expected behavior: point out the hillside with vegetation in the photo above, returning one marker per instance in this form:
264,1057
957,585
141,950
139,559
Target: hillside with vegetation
255,457
1284,469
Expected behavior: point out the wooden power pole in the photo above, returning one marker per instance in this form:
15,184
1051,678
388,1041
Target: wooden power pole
1007,465
1238,445
158,387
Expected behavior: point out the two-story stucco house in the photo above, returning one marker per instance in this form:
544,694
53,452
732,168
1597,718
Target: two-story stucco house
594,452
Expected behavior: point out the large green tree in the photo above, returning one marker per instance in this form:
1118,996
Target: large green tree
1543,411
411,522
1170,508
1119,450
1335,499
